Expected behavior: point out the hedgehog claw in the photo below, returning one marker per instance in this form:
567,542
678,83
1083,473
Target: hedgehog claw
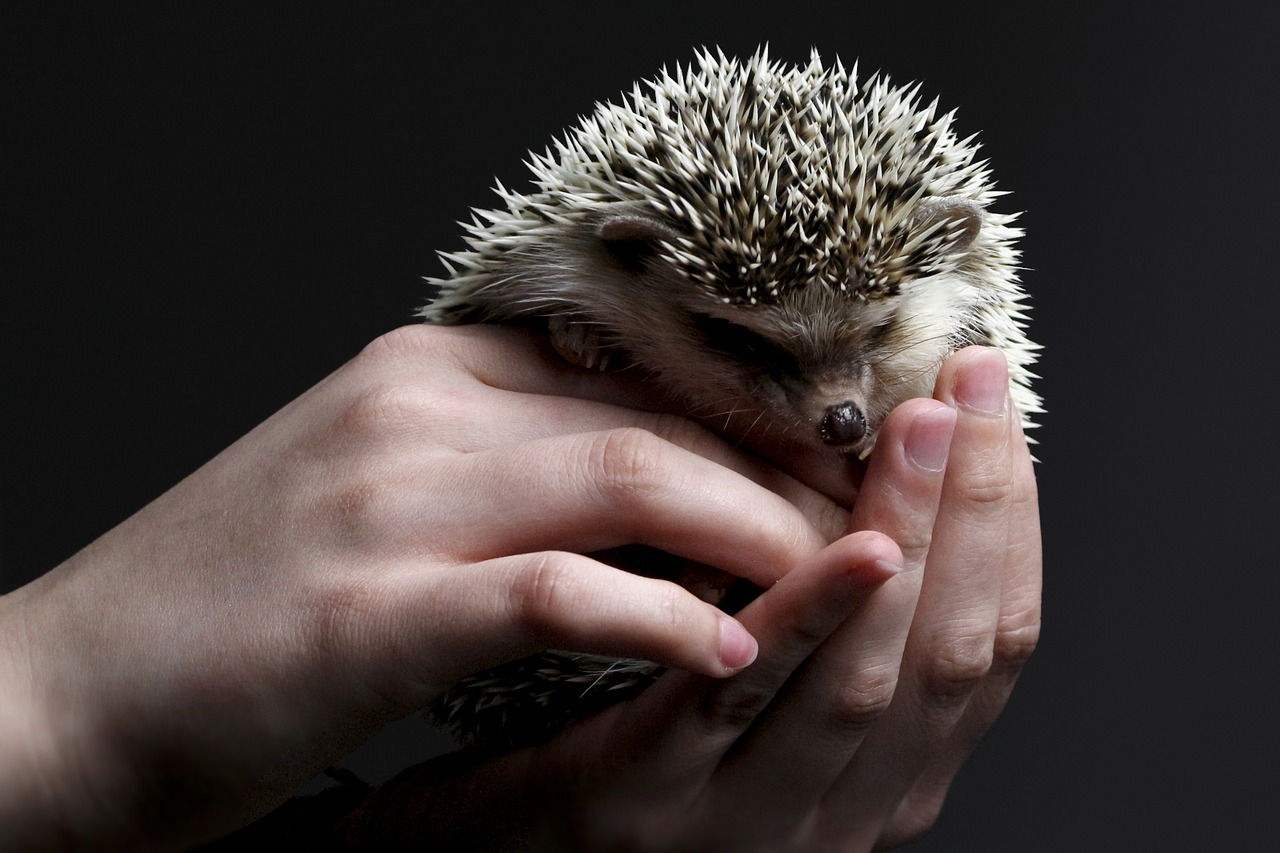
577,342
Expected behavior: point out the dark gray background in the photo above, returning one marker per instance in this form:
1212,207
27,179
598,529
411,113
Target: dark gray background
209,211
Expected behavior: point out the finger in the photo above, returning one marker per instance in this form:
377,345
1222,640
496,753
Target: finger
810,732
472,389
465,386
539,417
675,733
949,648
474,616
504,358
602,490
1017,634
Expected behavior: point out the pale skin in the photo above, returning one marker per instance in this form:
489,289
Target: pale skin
427,511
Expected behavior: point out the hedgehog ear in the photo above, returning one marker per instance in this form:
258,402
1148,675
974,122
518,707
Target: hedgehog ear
956,220
632,237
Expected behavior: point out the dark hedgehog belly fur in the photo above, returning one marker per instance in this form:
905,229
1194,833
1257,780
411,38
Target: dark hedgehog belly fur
528,701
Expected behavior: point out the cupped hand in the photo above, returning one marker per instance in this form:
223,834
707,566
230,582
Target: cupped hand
418,515
883,658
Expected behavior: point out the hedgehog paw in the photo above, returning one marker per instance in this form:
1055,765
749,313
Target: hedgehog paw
577,342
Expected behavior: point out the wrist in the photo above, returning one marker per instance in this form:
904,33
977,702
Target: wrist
59,785
29,752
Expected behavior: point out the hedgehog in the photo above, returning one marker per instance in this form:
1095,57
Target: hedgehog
788,252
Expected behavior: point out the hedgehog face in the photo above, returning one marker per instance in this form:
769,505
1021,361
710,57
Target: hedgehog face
818,363
815,369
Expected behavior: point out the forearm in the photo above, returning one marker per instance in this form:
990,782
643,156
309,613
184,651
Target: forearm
32,812
112,736
81,765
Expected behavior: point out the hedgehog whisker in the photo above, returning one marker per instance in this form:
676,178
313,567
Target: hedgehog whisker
706,411
885,355
754,424
612,667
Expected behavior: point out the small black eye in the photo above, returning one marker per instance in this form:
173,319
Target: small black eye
745,345
878,332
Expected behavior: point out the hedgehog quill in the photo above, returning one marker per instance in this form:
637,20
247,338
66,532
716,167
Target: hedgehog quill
785,247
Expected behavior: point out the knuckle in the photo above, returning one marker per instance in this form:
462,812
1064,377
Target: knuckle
627,464
914,541
956,666
989,486
542,593
1016,640
733,707
411,341
861,702
671,603
382,408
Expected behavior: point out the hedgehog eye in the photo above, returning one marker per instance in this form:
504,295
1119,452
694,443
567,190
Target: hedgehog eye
745,345
878,332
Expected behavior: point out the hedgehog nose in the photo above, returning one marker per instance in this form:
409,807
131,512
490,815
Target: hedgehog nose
843,423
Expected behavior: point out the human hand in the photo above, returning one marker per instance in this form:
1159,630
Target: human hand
847,730
415,517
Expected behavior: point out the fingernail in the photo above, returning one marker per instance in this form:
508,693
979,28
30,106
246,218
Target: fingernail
984,386
928,439
737,647
889,569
